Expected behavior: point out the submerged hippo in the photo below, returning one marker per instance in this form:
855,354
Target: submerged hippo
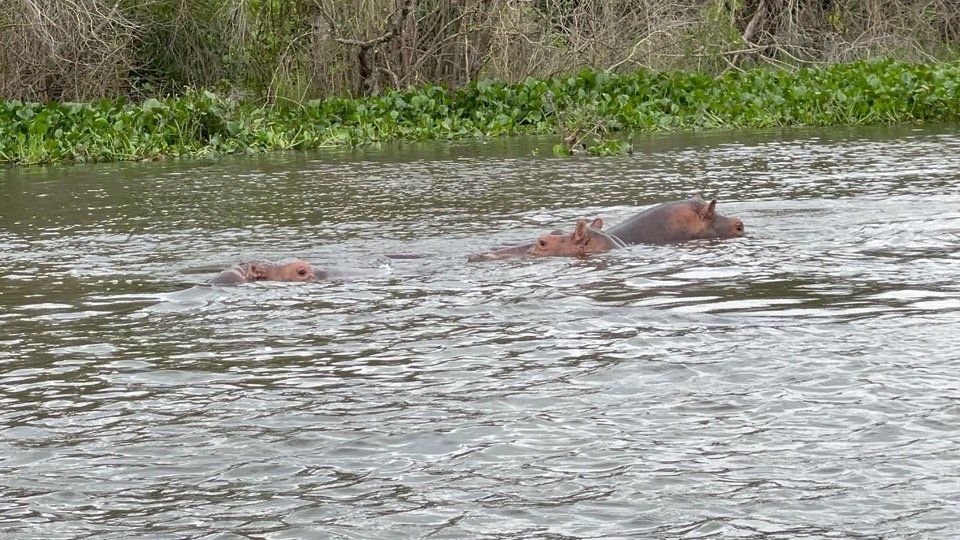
666,223
522,250
296,270
585,239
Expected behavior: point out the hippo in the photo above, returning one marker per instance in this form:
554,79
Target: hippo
678,221
585,239
296,270
522,250
667,223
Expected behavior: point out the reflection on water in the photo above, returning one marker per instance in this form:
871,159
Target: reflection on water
801,381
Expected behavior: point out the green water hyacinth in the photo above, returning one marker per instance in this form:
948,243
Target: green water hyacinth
201,123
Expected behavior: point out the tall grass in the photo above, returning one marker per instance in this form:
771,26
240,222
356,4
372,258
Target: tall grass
296,50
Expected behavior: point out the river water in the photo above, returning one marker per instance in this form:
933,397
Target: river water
800,382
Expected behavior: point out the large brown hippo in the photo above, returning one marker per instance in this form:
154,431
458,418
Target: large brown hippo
678,221
296,270
671,222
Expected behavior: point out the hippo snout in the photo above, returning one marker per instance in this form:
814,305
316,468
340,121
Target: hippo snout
317,273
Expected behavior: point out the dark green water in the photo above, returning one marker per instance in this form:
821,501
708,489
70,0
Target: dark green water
800,382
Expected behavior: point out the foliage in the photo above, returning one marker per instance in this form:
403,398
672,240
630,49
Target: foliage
200,122
295,50
583,129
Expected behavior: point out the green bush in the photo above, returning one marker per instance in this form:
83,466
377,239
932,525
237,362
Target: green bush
200,122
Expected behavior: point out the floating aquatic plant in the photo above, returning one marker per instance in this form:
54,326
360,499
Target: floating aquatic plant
200,122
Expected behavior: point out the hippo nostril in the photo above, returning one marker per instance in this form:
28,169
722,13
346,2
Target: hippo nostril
543,243
740,227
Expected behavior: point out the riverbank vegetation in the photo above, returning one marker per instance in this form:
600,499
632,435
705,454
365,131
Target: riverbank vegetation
296,50
98,80
200,122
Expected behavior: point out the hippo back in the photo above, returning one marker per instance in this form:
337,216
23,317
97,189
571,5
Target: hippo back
231,276
677,221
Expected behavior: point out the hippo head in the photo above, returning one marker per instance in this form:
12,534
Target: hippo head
710,224
584,240
297,270
505,253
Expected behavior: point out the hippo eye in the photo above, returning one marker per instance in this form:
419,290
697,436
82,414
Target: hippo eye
543,243
302,271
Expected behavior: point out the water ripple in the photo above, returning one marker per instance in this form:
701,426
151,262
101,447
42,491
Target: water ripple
799,382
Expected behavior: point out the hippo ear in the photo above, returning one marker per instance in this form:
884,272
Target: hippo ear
597,224
708,212
580,233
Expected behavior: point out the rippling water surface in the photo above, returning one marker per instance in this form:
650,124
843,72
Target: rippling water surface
800,382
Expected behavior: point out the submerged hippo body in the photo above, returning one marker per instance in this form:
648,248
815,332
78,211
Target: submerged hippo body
244,272
504,253
678,221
